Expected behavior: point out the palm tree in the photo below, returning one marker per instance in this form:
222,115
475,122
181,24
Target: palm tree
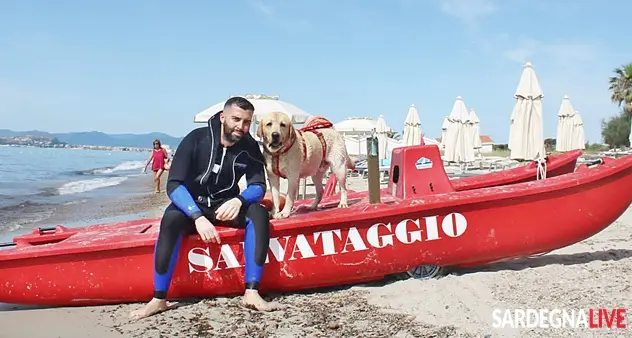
621,87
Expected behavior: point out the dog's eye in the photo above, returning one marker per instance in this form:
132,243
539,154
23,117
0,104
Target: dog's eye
282,125
269,124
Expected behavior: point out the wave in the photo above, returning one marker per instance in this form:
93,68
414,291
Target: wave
125,166
77,187
47,192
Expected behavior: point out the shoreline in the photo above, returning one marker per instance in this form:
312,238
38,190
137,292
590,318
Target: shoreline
132,199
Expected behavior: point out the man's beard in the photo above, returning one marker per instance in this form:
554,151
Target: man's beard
229,136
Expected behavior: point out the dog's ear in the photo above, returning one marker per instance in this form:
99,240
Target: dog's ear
260,129
291,129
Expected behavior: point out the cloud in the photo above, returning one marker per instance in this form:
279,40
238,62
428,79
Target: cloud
562,53
274,16
573,63
468,12
521,48
264,9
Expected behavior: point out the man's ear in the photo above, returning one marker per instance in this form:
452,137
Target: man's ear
259,130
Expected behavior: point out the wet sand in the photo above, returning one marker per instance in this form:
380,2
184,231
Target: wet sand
593,273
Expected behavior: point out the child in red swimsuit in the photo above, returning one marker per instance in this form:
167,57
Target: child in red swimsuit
160,160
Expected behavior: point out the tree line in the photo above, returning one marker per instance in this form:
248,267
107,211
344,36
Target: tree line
615,130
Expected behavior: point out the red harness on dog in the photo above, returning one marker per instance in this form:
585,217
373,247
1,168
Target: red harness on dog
311,126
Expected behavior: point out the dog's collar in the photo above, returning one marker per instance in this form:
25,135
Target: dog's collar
277,155
283,150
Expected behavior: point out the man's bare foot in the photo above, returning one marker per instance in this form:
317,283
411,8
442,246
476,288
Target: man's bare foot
153,307
253,300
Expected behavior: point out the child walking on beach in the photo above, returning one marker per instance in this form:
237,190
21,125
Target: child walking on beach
160,163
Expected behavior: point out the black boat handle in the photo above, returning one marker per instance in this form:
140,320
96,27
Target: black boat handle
47,229
7,244
594,162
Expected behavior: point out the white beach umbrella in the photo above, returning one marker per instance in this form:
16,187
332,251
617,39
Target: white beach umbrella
381,129
263,105
578,138
412,131
526,135
475,129
564,125
458,145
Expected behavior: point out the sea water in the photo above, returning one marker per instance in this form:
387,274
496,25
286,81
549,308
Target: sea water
32,177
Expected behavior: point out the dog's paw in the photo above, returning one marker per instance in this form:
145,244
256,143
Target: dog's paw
343,205
282,214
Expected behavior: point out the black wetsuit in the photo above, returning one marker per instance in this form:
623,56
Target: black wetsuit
203,175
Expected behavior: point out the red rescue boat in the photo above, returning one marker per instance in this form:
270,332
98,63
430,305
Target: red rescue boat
553,165
421,221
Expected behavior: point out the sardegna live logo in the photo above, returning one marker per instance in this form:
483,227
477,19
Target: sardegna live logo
592,318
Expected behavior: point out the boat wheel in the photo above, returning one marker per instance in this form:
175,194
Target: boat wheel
426,271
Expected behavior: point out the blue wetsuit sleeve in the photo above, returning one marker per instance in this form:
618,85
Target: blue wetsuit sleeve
181,197
253,193
179,171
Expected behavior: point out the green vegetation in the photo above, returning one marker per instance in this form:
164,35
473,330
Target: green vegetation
616,129
34,141
594,148
499,153
621,87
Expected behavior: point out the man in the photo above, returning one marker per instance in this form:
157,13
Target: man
204,190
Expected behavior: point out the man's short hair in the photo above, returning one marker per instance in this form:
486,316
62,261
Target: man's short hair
240,102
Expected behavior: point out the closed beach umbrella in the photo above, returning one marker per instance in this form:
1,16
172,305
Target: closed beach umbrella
412,133
381,129
526,139
458,145
565,115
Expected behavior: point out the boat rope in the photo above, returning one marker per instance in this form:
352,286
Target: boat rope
541,171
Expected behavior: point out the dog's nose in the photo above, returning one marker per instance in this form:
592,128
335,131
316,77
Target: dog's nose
275,135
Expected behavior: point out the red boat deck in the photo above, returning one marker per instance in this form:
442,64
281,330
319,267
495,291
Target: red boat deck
555,165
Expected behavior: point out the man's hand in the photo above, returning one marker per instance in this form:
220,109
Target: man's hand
206,230
229,210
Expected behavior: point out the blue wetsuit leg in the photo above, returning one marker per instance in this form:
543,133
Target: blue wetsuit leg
163,280
167,248
256,244
253,270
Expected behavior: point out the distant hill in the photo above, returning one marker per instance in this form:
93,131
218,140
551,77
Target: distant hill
96,138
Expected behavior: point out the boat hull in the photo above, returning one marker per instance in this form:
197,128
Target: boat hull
107,264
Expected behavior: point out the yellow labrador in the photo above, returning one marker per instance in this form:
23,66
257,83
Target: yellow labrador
295,154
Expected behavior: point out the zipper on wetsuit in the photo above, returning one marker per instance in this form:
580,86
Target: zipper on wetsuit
221,163
219,170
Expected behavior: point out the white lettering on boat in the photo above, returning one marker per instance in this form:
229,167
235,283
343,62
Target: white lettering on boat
336,241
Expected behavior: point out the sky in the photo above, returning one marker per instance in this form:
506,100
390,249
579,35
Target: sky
121,66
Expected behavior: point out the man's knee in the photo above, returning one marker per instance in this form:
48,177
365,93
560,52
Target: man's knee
258,214
173,218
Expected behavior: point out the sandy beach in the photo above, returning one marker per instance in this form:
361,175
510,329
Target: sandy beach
592,273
